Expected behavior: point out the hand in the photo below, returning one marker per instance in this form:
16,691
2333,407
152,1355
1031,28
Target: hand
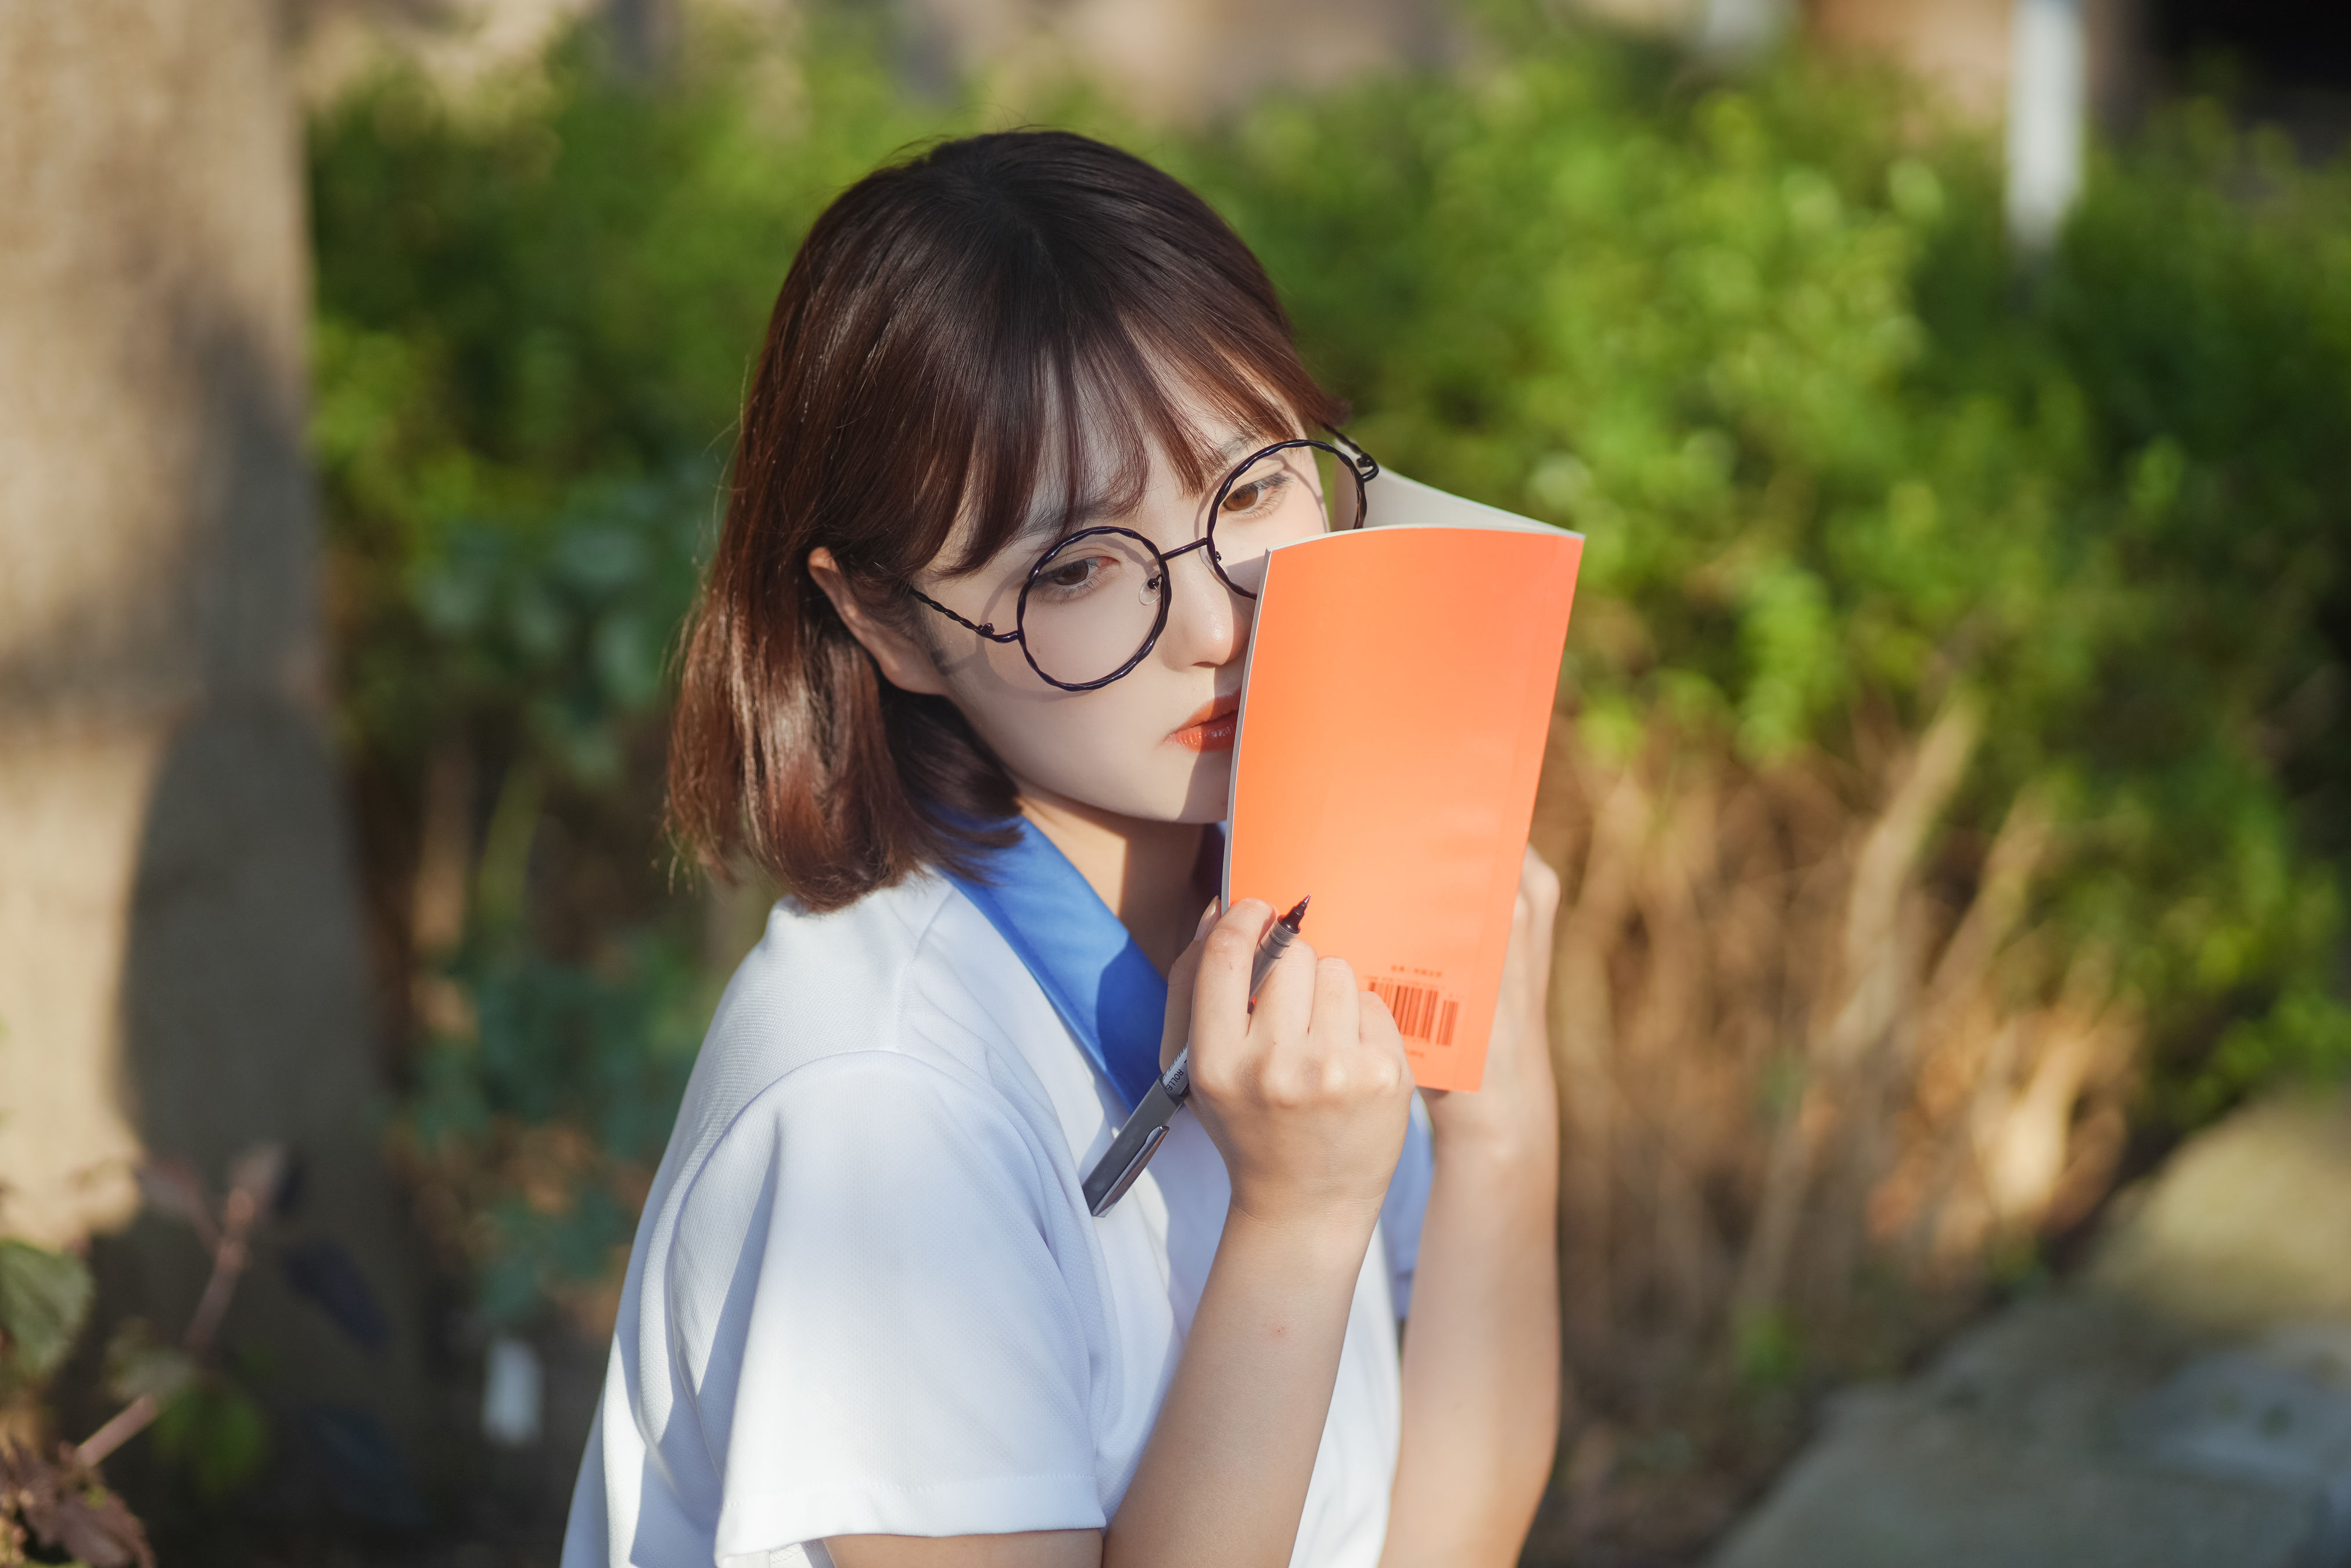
1516,1108
1306,1097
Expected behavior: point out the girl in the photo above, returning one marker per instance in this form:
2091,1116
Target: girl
964,677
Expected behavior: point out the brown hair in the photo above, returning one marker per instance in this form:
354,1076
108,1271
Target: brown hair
939,323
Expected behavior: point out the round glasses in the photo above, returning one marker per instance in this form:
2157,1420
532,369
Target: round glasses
1094,607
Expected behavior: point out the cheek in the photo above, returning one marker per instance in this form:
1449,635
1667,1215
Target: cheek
1106,749
1061,740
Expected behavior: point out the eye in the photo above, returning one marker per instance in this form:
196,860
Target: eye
1068,576
1259,494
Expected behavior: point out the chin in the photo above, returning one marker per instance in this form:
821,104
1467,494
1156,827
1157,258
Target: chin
1210,797
1195,801
1196,789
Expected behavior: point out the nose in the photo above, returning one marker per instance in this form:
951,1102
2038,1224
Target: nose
1207,623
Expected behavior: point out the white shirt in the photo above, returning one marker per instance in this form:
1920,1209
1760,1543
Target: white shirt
866,1295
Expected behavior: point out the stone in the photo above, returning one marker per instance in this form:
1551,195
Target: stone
2277,1413
2248,1224
2187,1402
1903,1487
2016,1450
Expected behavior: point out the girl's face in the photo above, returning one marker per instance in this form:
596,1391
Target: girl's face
1154,744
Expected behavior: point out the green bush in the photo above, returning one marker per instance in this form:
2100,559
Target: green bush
1837,456
1837,460
535,309
535,313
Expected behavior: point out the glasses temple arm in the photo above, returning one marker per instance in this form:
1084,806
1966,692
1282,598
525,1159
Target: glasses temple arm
1366,466
985,629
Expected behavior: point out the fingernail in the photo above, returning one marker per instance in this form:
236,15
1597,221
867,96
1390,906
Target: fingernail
1208,917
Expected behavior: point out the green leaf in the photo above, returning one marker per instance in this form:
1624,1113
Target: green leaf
216,1430
44,1299
137,1365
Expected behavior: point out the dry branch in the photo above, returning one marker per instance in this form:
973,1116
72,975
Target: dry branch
1793,1046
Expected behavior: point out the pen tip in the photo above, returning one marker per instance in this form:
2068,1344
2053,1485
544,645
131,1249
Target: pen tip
1297,917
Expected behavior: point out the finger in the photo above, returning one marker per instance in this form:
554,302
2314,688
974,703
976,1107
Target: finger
1176,1028
1376,1026
1539,886
1219,1015
1338,1004
1209,918
1285,1002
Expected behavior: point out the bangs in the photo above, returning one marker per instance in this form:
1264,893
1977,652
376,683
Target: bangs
1065,436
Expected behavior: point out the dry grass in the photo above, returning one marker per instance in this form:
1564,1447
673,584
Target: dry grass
1819,1072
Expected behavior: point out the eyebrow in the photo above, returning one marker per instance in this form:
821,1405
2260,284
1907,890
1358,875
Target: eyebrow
1047,523
1240,446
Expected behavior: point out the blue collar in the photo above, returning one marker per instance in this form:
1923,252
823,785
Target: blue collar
1097,978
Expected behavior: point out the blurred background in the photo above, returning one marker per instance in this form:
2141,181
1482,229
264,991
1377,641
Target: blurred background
1951,779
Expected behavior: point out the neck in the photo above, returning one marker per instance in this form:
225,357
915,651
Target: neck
1149,873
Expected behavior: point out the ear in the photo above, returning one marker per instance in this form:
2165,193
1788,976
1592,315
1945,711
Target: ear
906,662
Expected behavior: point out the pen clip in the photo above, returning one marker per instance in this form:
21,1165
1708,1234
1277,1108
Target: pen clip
1136,1141
1127,1179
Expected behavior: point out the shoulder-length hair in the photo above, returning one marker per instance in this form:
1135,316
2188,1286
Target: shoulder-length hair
940,323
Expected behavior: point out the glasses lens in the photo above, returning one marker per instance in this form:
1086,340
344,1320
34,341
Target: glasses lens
1092,605
1276,499
1343,489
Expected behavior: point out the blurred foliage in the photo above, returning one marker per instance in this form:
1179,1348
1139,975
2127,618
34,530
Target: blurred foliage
212,1423
217,1432
45,1299
54,1507
536,307
1839,458
544,1126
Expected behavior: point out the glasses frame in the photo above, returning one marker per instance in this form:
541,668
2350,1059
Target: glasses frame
1354,460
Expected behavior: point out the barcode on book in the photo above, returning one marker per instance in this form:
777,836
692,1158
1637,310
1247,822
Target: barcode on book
1421,1012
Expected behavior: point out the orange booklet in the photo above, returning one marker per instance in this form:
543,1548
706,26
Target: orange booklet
1398,695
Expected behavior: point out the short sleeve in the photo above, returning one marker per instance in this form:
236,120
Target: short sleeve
873,1264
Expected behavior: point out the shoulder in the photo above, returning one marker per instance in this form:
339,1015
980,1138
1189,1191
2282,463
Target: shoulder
900,1007
830,978
854,1079
856,981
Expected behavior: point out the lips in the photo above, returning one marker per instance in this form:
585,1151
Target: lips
1212,728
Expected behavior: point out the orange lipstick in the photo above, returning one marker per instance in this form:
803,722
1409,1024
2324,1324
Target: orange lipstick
1212,728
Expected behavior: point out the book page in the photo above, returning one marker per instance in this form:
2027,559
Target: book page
1392,501
1397,699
